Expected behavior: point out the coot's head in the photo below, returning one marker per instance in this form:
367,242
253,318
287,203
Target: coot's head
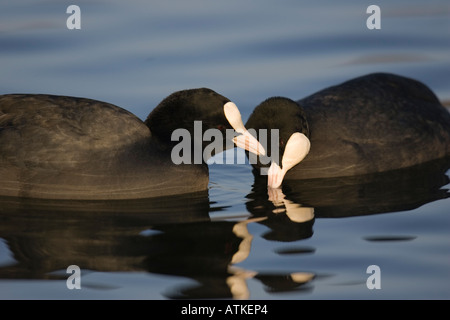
287,141
194,112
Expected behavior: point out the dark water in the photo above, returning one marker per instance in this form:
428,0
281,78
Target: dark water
231,241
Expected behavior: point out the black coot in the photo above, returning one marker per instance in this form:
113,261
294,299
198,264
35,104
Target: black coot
59,147
374,123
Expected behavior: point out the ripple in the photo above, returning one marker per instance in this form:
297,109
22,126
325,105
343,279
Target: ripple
389,238
296,250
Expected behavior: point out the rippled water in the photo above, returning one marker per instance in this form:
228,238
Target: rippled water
231,242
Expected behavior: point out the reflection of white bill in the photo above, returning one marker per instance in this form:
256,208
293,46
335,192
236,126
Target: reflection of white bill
240,230
302,277
294,211
237,282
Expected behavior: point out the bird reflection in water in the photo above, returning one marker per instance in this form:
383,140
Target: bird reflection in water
173,236
176,236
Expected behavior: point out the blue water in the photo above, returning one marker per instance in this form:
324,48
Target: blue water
231,242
